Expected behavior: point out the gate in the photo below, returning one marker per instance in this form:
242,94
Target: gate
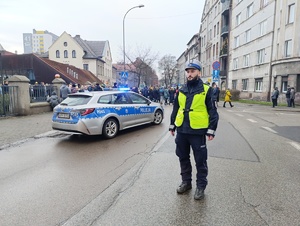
8,100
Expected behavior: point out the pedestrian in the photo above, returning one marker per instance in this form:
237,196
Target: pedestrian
53,100
227,98
288,96
98,87
166,96
216,93
194,117
274,96
292,97
64,91
115,85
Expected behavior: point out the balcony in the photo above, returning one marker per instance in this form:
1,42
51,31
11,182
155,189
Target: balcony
225,7
224,52
224,30
223,74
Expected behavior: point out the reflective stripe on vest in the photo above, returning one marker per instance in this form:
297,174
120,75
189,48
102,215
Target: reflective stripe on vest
199,118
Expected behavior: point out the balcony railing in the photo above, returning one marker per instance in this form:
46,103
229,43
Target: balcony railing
223,73
225,5
224,52
224,30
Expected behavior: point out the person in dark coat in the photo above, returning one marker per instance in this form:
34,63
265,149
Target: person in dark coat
53,100
195,118
274,96
98,87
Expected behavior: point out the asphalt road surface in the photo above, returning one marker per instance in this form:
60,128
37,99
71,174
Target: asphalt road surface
254,176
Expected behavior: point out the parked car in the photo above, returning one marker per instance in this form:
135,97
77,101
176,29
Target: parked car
105,112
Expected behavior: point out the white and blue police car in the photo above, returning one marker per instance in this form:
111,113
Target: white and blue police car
105,112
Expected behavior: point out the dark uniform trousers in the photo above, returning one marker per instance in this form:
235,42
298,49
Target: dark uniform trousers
184,142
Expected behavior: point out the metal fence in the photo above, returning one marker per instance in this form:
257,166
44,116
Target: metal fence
39,93
8,100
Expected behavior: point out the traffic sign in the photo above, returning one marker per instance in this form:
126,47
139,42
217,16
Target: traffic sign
123,74
215,75
216,65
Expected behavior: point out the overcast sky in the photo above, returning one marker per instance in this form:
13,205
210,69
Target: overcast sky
165,26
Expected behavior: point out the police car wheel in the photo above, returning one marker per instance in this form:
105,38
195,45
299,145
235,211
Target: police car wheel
158,117
110,128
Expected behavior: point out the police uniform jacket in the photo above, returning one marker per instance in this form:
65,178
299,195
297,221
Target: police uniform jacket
189,91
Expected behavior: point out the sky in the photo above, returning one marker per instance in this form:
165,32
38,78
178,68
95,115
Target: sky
163,26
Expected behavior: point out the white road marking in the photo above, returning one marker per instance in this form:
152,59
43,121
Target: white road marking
269,129
251,120
295,145
240,115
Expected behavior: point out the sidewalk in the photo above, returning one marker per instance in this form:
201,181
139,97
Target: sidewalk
16,129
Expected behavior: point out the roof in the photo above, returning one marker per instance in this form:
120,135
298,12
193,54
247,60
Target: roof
44,69
93,49
67,71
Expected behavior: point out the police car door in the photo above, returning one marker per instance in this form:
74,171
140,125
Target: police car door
125,110
144,112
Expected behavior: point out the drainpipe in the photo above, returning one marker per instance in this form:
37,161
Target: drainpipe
272,47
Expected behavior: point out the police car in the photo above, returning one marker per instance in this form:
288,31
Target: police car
105,112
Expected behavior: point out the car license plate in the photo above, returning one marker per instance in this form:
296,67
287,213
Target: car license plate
64,115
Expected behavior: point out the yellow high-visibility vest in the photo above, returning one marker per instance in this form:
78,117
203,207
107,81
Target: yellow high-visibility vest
199,118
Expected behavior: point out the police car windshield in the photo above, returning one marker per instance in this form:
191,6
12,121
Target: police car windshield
76,100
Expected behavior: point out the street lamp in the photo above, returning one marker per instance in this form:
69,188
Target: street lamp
139,6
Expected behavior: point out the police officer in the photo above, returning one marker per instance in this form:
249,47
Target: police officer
195,118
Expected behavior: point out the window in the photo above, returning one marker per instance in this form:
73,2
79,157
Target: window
66,54
263,28
291,14
250,10
65,44
246,60
234,82
73,54
218,24
235,63
263,3
261,56
136,99
215,31
105,99
57,54
217,49
258,84
288,48
237,41
284,83
238,19
86,67
248,37
214,49
245,84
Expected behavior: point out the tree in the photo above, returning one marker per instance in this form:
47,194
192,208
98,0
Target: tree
167,65
141,65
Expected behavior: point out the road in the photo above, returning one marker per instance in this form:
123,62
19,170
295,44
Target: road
131,180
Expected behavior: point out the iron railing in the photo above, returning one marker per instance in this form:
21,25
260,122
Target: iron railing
8,100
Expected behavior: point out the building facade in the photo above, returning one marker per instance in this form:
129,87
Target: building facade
286,47
93,56
210,38
38,41
256,44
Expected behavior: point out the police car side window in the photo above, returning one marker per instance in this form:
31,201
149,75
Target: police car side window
105,99
120,98
136,99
